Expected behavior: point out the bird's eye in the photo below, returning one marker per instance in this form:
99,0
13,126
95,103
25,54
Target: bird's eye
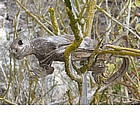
20,42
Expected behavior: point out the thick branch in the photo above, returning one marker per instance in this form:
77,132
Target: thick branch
89,19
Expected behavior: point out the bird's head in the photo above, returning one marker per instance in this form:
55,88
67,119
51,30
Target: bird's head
20,48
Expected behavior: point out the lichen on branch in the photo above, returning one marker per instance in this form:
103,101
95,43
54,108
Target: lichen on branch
72,47
76,43
89,18
91,58
89,22
54,20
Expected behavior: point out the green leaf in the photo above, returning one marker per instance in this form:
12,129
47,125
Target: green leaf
117,88
137,3
68,4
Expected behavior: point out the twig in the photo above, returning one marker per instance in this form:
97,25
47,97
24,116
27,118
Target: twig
6,80
7,101
116,21
117,95
54,21
128,16
34,17
84,100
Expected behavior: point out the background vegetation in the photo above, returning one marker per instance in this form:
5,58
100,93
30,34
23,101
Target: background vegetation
34,18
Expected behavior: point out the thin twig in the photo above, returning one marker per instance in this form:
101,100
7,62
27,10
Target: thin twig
116,21
34,17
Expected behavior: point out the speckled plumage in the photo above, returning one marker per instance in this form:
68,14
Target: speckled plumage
52,49
48,49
